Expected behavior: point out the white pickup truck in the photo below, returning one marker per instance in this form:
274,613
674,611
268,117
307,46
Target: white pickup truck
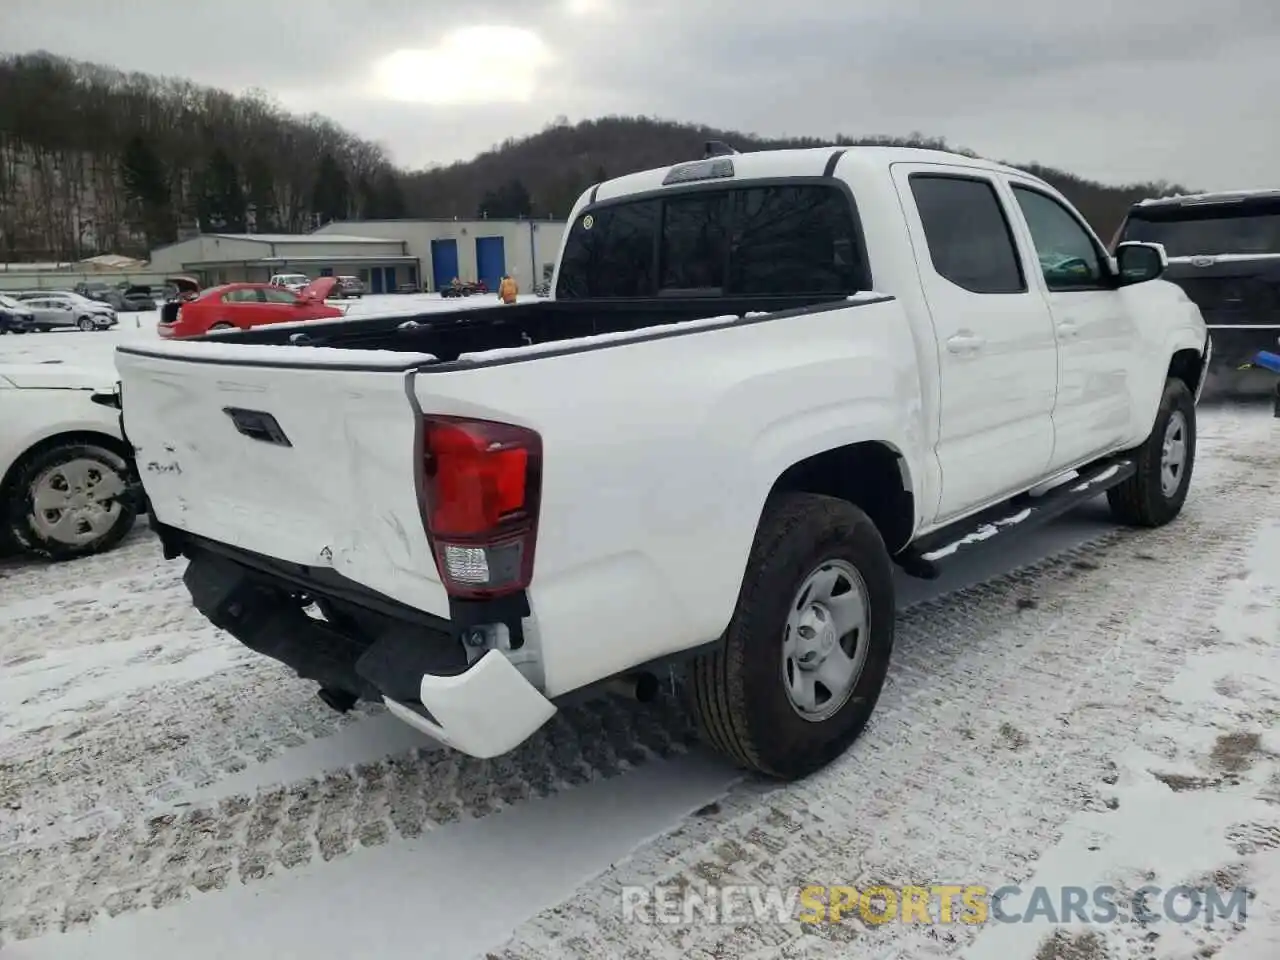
762,379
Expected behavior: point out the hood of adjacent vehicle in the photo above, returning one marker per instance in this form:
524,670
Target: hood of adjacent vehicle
57,376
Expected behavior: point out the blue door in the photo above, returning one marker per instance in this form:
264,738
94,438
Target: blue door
376,286
491,260
391,281
444,262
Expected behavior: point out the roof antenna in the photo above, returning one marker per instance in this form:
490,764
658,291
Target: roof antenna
717,148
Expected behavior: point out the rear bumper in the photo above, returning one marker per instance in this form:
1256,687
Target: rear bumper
485,712
364,644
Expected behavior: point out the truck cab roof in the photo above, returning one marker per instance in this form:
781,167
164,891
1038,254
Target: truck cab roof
806,162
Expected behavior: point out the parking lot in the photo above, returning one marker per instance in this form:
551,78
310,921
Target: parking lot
1094,706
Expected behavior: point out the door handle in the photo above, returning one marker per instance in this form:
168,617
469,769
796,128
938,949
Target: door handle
1067,328
965,343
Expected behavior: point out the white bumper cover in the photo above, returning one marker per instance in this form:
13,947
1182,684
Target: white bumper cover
486,712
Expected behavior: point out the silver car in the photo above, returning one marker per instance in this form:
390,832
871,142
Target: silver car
52,310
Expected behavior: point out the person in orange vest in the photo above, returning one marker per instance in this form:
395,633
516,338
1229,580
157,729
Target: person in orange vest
507,289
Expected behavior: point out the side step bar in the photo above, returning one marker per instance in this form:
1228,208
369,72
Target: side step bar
1012,517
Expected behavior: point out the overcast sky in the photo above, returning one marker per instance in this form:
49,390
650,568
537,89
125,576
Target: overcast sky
1181,90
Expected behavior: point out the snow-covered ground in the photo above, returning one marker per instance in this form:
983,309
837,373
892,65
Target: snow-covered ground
1087,706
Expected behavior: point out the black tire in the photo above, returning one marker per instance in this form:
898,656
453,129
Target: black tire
1141,500
223,325
86,324
18,508
738,692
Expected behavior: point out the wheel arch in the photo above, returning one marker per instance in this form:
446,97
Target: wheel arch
1188,365
873,475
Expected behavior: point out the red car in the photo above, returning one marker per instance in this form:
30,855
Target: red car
246,305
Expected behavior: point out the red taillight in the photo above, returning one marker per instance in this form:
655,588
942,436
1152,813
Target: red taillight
481,482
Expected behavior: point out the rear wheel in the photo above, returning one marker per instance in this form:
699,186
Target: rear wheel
69,500
1154,495
805,656
223,326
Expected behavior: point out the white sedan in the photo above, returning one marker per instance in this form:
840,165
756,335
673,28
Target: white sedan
53,310
67,485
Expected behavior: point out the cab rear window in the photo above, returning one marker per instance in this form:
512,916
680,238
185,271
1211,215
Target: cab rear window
774,240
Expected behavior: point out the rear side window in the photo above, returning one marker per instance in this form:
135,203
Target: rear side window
968,234
789,239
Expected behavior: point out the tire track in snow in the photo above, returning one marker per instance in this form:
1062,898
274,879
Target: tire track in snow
991,732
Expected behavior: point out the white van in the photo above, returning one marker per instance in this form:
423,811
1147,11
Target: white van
290,281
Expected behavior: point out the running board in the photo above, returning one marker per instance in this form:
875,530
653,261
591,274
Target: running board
1015,516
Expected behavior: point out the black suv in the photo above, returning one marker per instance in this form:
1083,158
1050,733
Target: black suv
1224,251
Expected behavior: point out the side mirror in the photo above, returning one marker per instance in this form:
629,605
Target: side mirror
1140,262
301,300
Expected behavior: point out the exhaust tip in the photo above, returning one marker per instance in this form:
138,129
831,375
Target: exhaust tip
646,688
339,700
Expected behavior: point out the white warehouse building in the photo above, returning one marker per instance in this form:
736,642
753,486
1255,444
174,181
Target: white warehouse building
386,254
468,249
229,257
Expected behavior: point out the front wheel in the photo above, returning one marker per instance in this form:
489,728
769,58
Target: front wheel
85,324
801,666
1154,495
70,500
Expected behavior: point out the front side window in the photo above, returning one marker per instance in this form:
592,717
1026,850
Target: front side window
768,240
241,296
1069,257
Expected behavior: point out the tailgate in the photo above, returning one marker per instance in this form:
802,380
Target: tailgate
288,452
1231,290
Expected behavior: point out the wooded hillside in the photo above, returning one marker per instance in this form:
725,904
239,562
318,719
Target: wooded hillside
547,172
93,160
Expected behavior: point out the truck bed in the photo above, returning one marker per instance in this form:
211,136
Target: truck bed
448,335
